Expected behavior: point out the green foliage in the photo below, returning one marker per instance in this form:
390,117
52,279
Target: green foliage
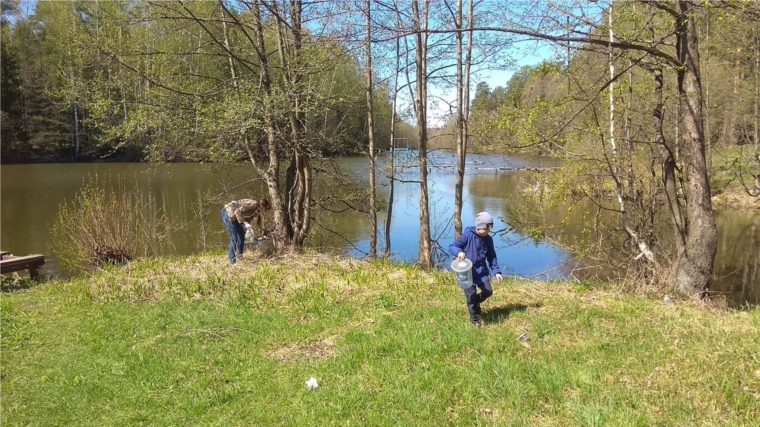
529,127
34,126
151,80
482,102
735,169
248,339
516,86
529,115
618,173
11,95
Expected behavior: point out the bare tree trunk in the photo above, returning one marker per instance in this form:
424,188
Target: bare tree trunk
461,150
74,101
371,135
641,245
756,140
463,111
628,123
467,67
25,91
298,181
668,163
708,135
611,65
389,213
757,99
75,104
271,174
420,28
230,59
694,265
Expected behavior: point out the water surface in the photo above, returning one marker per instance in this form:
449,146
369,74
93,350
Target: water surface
193,193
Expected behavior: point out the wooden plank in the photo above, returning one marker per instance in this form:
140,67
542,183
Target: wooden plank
28,262
18,262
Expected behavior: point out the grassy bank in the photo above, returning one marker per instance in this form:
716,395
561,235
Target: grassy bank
195,342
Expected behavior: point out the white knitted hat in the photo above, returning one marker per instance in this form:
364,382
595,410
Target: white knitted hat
482,221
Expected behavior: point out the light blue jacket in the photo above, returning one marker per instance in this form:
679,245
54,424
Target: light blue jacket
480,251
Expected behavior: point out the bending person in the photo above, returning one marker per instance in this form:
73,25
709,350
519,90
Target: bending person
237,216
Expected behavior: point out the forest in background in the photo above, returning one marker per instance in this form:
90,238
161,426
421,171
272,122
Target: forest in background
85,80
543,107
68,95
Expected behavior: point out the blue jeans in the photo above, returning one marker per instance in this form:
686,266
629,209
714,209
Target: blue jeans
237,236
474,298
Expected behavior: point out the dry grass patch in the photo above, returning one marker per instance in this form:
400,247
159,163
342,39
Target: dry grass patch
312,351
210,276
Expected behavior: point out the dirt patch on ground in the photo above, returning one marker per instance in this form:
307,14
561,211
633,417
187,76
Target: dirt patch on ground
318,350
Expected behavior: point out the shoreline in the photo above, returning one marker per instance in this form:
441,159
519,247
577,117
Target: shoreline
735,200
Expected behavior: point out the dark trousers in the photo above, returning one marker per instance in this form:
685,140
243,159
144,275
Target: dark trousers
474,298
237,236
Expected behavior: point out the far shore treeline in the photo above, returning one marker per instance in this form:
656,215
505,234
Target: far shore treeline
84,81
654,107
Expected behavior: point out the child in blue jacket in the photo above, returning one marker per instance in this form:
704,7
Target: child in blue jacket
476,245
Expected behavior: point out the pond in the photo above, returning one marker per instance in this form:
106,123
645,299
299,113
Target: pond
32,194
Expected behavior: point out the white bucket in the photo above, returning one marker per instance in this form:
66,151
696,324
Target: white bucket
252,241
462,272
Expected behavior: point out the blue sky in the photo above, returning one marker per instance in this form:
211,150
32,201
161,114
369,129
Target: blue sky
521,53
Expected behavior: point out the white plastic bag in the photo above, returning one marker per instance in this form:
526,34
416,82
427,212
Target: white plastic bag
311,384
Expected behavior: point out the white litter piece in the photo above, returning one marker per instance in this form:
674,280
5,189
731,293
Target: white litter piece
312,383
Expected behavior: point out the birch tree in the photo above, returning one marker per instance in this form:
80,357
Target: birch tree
463,108
371,131
420,21
692,214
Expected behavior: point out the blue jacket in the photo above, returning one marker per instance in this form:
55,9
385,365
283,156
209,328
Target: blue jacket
480,251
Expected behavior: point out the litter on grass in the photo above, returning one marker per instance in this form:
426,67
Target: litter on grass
312,383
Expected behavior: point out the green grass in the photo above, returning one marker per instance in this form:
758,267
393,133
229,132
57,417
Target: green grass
195,342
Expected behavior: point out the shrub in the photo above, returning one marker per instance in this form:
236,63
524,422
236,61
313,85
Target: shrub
106,224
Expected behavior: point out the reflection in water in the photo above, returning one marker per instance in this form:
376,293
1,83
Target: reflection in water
737,266
31,195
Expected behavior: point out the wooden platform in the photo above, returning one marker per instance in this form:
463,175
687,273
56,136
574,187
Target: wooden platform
10,263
